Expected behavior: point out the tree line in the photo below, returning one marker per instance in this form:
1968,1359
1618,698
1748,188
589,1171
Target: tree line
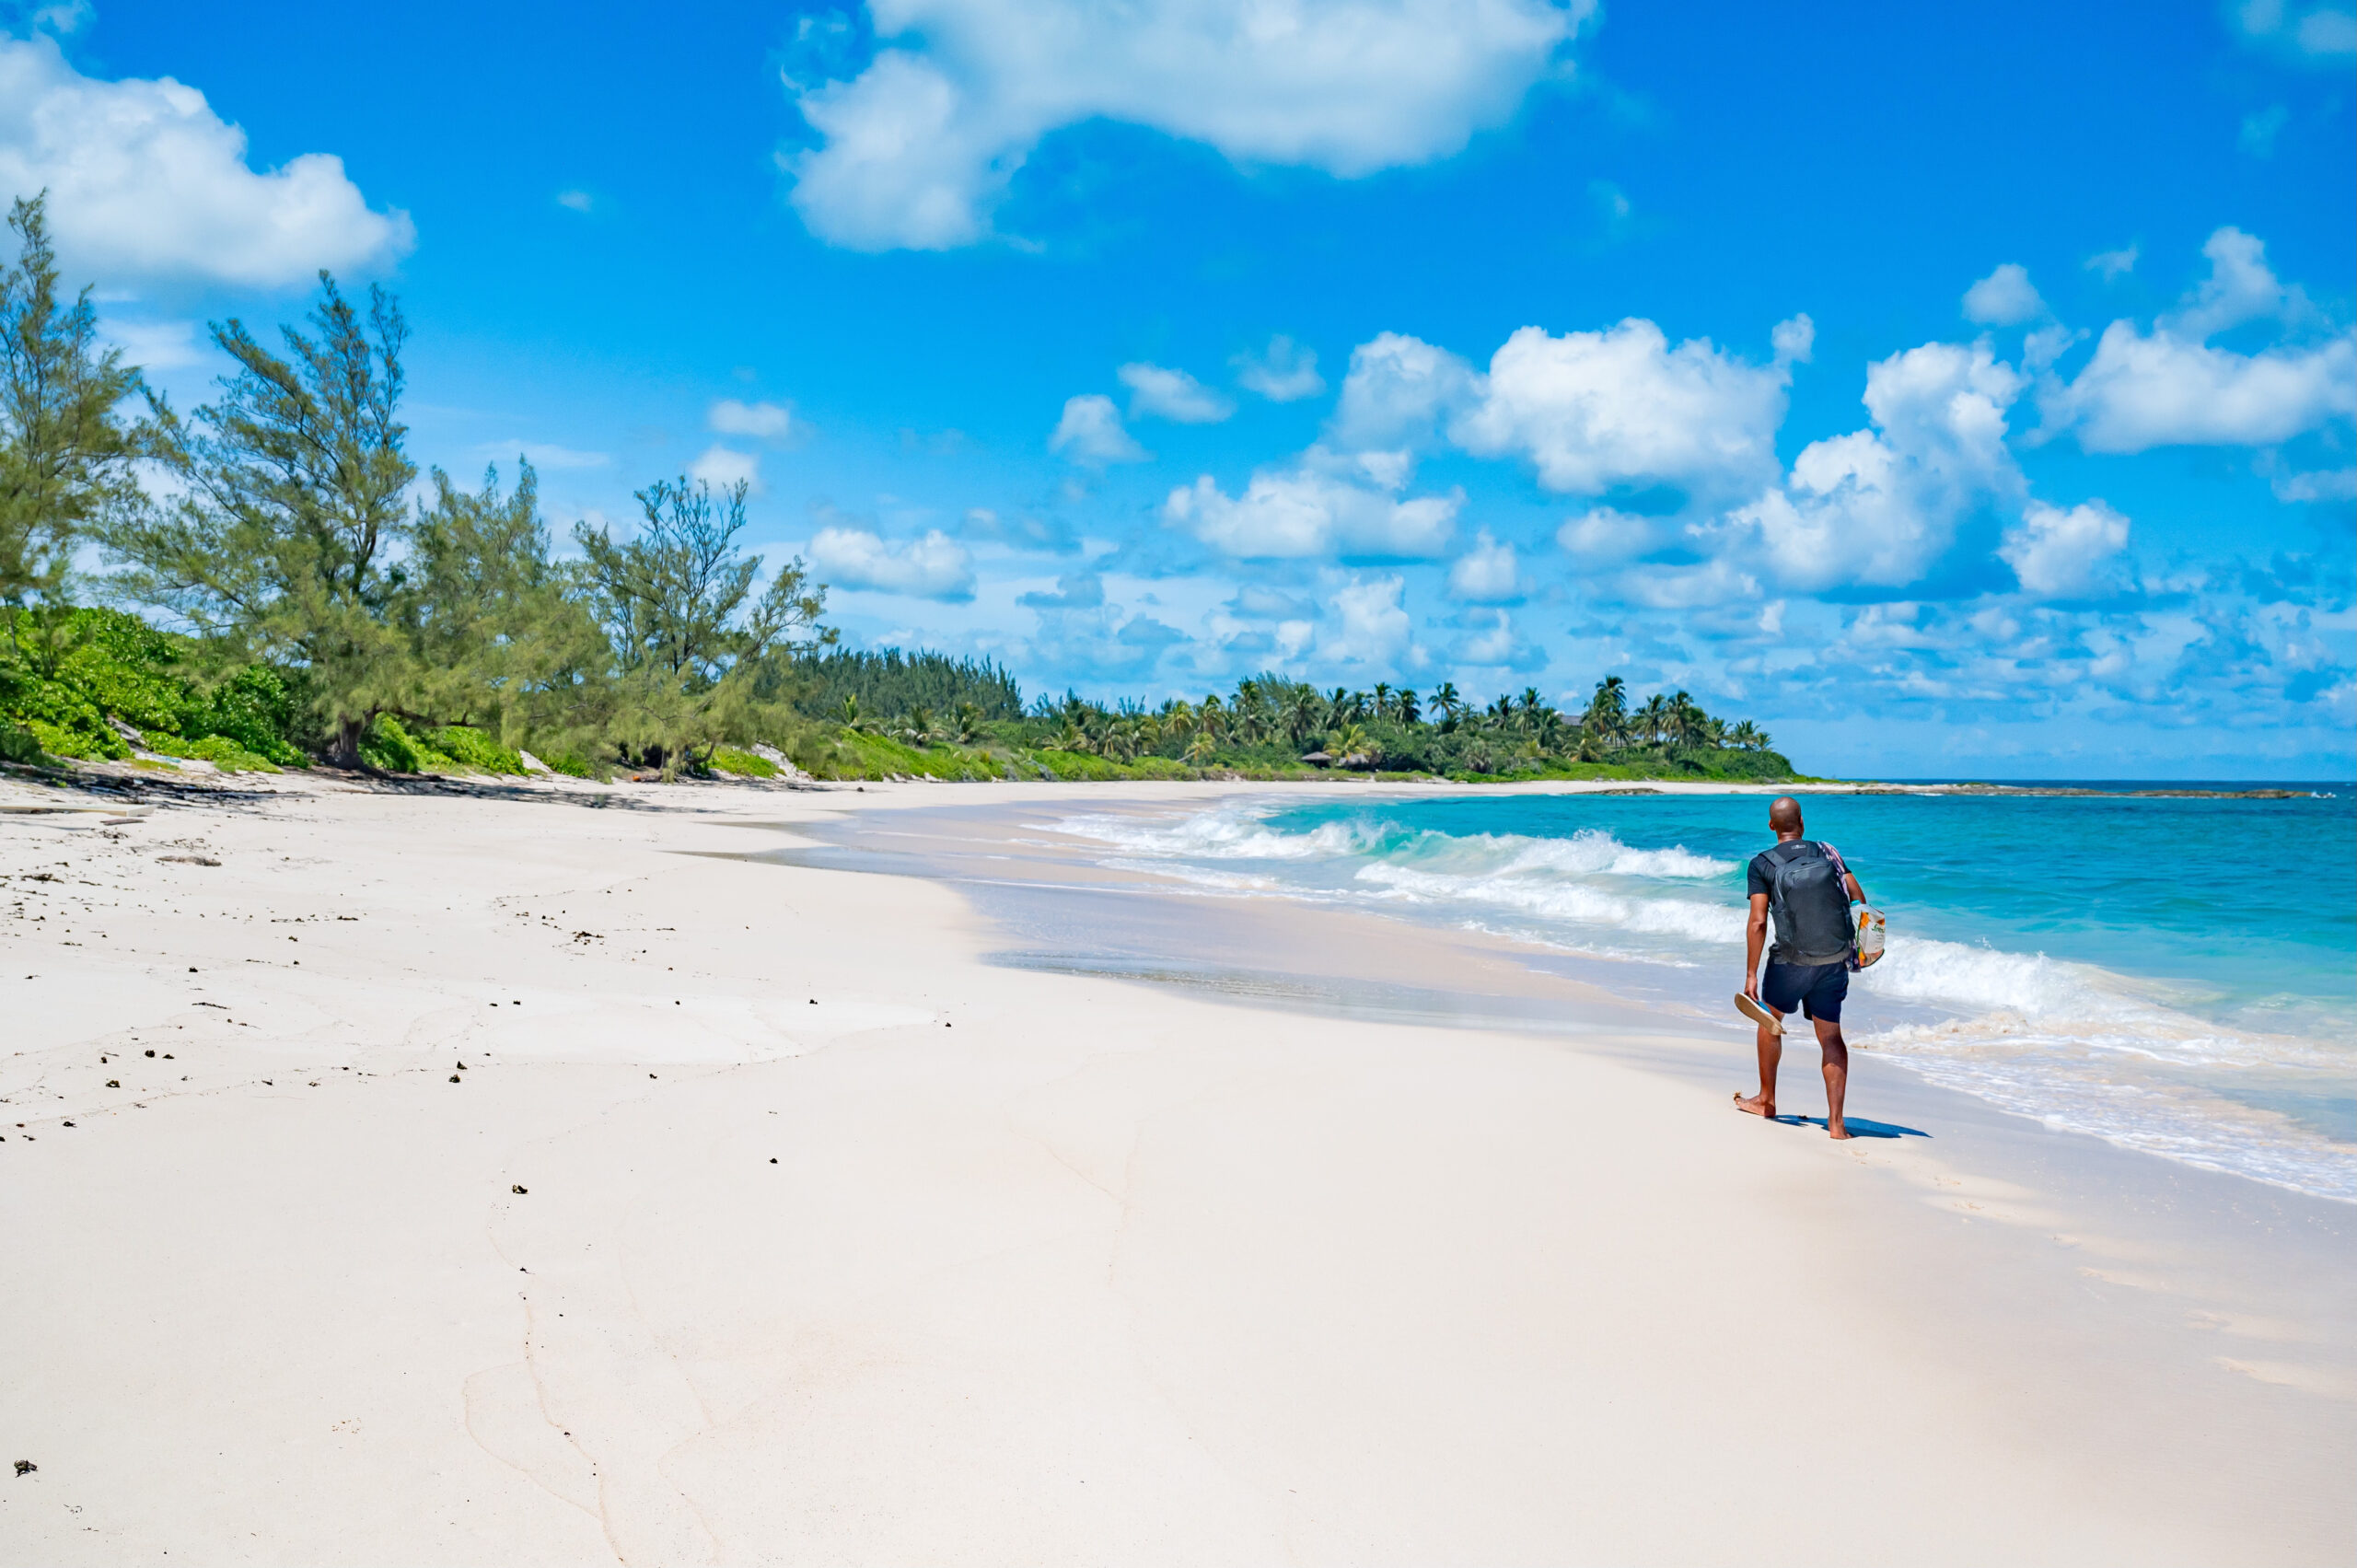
1270,718
328,610
276,524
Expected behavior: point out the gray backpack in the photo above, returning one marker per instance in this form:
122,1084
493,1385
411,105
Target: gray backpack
1811,905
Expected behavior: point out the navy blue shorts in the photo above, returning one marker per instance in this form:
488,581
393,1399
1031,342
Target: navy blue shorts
1816,990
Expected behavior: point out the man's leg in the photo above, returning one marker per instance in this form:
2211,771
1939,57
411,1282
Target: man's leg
1771,1052
1836,1074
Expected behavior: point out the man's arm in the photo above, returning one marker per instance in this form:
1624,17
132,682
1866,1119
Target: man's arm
1856,891
1754,936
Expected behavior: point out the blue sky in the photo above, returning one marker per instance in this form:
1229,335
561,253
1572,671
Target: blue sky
1955,391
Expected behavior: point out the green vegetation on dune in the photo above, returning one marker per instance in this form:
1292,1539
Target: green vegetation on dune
326,615
65,675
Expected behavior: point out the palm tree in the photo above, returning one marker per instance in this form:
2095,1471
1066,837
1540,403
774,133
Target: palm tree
1683,721
1446,701
967,727
1530,703
1608,709
1201,751
1653,718
1353,748
1382,700
1406,704
1302,716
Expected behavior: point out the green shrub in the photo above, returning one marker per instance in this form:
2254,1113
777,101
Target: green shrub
103,663
218,749
121,666
19,745
1073,767
389,747
470,748
728,760
859,755
571,766
254,708
67,722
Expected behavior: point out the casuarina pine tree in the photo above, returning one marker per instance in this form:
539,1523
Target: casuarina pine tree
287,533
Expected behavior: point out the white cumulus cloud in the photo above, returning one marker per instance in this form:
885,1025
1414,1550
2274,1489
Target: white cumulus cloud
1606,534
1592,410
1399,387
158,345
2171,386
1794,340
721,467
1368,626
2114,263
1283,373
1487,573
2003,298
1173,395
1493,644
1308,511
1878,506
1090,432
767,422
2142,391
145,181
1700,586
916,150
2320,34
2059,553
936,566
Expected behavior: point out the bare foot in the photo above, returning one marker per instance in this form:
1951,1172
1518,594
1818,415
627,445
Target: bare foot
1836,1129
1759,1105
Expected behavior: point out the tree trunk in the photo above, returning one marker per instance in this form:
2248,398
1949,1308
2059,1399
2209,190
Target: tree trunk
344,750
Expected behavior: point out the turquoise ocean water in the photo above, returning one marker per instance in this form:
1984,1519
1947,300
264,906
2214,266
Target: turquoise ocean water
2177,975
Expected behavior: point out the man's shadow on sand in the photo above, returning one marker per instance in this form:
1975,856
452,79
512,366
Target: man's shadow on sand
1860,1126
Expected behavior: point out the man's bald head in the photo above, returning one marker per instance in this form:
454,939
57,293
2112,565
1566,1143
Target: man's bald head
1784,814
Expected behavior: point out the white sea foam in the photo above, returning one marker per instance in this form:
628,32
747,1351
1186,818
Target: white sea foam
1222,835
1597,911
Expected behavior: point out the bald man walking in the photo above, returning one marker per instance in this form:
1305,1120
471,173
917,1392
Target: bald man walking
1809,889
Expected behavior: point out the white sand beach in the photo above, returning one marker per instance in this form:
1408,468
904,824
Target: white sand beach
515,1176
